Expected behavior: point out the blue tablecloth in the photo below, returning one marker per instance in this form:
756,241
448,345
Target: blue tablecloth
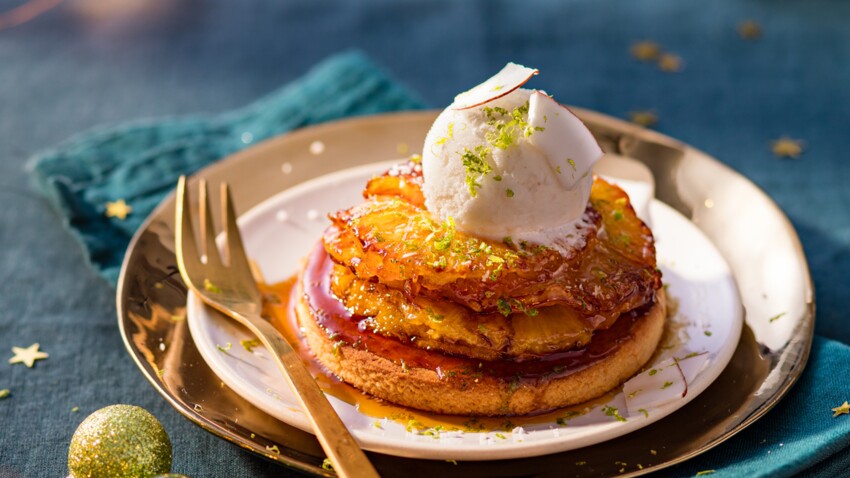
87,63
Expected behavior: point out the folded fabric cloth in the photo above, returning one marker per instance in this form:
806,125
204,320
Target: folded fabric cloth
140,163
800,435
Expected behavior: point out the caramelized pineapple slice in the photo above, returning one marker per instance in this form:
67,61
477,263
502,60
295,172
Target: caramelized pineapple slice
552,329
449,328
428,324
623,231
393,238
404,247
403,180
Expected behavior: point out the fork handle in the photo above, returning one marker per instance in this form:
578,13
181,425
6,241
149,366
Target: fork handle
345,454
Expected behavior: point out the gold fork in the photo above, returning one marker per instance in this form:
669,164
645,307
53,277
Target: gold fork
227,285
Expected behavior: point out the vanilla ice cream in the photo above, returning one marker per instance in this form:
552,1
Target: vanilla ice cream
509,162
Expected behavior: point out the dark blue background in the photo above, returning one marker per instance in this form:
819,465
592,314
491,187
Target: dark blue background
90,62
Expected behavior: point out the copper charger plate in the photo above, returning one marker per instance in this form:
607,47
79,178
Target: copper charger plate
748,228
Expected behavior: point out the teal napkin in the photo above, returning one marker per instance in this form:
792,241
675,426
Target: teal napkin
800,435
140,163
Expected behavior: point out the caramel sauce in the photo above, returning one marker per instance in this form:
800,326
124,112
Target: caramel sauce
338,322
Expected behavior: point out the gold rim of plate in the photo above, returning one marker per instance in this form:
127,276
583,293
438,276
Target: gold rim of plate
747,227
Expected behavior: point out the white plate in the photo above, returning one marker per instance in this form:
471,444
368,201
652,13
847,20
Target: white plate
281,230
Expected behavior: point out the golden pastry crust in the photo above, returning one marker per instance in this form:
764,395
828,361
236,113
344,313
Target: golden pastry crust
484,395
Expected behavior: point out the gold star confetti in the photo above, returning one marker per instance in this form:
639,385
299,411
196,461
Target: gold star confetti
786,147
670,63
842,409
645,50
749,30
643,118
119,209
27,356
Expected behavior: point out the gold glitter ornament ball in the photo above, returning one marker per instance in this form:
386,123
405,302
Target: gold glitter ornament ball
120,441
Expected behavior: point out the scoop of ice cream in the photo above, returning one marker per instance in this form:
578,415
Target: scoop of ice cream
509,162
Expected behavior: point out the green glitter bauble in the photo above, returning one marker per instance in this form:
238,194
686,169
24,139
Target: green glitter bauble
120,441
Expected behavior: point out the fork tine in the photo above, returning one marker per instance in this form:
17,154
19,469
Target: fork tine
207,227
188,257
235,249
